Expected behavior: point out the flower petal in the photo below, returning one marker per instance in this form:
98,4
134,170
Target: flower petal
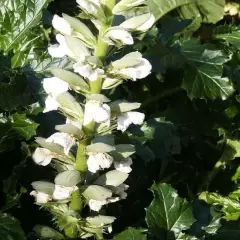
62,139
42,156
62,192
55,86
61,25
124,165
50,104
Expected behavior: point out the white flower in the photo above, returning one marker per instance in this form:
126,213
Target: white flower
61,192
61,25
87,71
40,197
109,228
118,35
61,50
139,23
62,139
97,205
140,71
55,86
96,111
124,165
132,66
50,104
126,119
43,156
97,161
120,190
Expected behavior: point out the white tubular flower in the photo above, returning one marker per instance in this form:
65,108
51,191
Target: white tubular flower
61,25
55,86
41,197
43,156
50,104
62,192
119,36
62,139
120,190
96,111
139,23
132,66
126,119
97,205
87,71
97,161
61,50
124,165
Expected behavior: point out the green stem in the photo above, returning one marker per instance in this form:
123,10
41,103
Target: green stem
99,236
81,164
76,202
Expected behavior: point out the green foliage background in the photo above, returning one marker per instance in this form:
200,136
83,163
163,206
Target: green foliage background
185,179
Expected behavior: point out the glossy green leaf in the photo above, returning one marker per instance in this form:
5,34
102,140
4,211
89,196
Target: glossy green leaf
168,211
161,7
229,34
131,234
23,126
204,11
10,228
203,78
18,25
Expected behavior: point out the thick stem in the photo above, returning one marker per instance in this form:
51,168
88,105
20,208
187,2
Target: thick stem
99,236
96,87
76,201
81,164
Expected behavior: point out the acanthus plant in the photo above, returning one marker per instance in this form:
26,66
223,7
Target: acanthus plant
92,168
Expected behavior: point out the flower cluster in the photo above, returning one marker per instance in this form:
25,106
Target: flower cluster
97,171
